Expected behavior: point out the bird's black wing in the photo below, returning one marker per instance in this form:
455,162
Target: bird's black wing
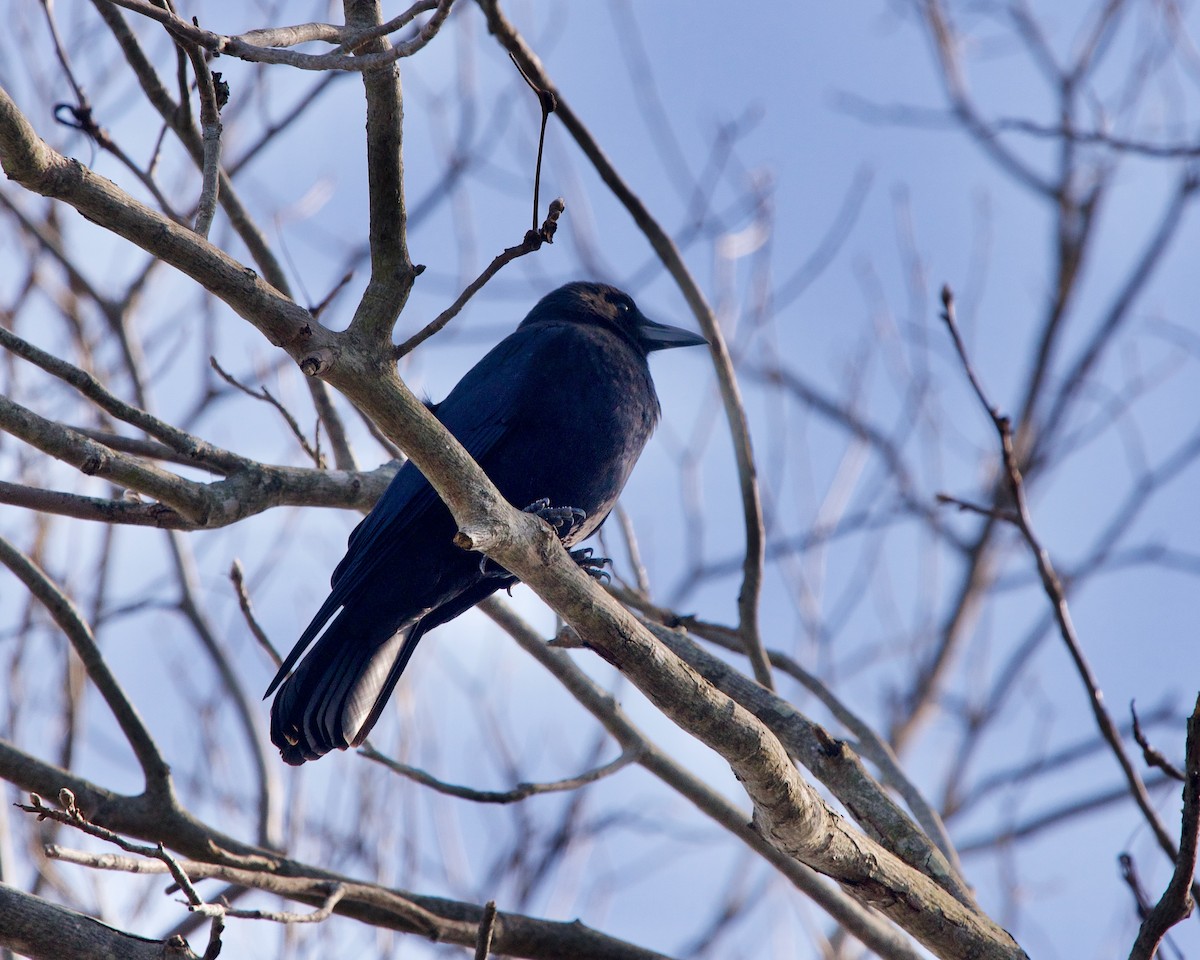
477,412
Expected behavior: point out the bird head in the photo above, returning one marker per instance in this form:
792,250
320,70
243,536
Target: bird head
605,306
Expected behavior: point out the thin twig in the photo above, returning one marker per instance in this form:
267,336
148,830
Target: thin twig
1150,754
629,535
265,395
210,135
72,816
487,927
520,792
155,855
238,577
533,241
548,104
217,910
1177,900
1130,875
668,252
966,506
328,298
71,622
1040,822
81,116
195,450
1054,589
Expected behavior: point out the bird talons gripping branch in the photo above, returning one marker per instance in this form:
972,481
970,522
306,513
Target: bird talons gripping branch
564,520
592,566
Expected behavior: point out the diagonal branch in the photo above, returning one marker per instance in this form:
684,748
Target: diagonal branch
668,253
95,459
787,811
211,854
1177,900
533,241
29,161
833,763
1055,593
865,924
42,930
192,447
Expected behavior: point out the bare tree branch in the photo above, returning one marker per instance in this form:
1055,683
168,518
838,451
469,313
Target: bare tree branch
41,930
1054,591
520,792
748,597
1177,901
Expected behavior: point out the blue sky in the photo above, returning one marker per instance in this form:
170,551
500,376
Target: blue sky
929,208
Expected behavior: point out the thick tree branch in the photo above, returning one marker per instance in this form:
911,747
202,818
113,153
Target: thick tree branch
863,923
392,272
209,853
41,930
830,761
787,812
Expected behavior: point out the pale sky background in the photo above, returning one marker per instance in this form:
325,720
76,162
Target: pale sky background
795,70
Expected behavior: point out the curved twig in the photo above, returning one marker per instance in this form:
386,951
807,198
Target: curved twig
668,253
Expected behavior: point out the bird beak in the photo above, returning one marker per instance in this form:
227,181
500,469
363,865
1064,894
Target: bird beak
659,336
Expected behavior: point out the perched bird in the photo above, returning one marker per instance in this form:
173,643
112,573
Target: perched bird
556,415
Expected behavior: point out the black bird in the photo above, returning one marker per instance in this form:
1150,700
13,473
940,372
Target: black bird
556,415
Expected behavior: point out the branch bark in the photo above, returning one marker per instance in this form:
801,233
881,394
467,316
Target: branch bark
42,930
788,813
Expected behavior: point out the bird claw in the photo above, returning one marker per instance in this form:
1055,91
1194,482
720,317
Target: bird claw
564,520
592,566
490,568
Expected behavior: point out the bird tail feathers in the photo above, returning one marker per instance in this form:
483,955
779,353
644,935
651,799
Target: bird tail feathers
337,693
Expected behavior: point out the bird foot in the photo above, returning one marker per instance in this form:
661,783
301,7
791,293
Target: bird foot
592,566
564,520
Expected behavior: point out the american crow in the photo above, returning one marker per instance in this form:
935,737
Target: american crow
556,415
